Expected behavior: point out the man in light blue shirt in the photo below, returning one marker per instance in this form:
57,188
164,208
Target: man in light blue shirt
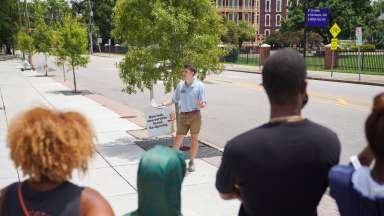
190,97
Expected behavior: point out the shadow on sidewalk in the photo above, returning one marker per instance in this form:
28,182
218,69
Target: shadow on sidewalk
71,92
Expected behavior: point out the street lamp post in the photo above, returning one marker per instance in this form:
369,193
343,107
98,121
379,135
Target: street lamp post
90,28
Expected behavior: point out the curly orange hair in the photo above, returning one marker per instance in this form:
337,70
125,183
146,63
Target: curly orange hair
49,145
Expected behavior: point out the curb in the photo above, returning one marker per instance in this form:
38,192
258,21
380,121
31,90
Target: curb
320,79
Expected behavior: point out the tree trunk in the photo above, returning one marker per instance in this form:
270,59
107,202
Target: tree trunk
46,65
8,49
74,78
64,71
30,61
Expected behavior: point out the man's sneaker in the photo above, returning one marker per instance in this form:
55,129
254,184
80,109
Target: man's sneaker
191,167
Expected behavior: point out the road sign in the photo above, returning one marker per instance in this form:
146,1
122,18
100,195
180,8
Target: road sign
335,30
99,40
359,36
316,17
334,43
157,121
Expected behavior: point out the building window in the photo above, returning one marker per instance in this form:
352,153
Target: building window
248,3
278,20
267,32
267,5
230,16
278,5
267,20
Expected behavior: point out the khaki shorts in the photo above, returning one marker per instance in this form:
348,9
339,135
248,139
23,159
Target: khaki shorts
189,122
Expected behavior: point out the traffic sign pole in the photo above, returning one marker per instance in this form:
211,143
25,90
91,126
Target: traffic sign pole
335,31
359,42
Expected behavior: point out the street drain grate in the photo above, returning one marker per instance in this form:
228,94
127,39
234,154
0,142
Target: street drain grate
204,150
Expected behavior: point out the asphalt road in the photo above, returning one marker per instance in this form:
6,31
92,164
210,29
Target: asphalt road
237,103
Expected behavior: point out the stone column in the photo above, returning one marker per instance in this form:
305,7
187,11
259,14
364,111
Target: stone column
328,58
265,51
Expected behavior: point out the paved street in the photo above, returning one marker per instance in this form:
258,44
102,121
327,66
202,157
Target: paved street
237,102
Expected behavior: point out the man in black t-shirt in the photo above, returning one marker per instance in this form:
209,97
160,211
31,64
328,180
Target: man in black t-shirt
280,168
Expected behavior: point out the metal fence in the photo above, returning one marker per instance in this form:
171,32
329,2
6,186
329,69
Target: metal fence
365,62
110,49
244,56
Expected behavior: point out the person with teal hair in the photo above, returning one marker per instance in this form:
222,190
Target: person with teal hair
160,175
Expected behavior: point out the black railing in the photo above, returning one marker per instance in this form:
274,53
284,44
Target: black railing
243,56
364,61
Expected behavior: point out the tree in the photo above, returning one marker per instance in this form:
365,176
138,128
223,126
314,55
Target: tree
163,36
231,33
9,24
43,40
246,32
74,44
25,44
237,34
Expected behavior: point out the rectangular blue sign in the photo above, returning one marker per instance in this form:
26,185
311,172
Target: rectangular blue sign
316,17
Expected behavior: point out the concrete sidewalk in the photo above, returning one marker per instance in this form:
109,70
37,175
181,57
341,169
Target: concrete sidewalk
114,168
375,80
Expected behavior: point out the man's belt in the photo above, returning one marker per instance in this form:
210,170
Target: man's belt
186,113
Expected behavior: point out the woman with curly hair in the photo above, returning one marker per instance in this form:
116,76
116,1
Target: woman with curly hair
47,146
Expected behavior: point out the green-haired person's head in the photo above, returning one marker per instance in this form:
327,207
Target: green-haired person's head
161,173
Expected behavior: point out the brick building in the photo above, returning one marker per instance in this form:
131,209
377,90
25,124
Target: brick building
264,15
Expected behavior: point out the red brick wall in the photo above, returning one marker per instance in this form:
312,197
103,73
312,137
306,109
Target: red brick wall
272,14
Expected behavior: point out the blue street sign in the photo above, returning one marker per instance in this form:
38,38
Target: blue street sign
316,17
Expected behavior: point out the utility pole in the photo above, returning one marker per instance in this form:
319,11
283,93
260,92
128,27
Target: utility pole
26,14
90,27
305,30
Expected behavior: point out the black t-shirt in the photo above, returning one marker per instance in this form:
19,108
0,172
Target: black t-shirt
281,168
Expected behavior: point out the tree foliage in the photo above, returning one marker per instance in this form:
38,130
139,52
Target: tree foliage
102,16
163,36
25,42
43,37
50,11
237,34
9,23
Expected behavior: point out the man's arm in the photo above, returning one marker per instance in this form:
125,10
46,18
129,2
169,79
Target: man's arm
175,98
168,103
201,99
225,178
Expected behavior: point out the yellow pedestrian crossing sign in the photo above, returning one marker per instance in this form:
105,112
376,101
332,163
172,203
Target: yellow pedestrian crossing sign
334,43
335,30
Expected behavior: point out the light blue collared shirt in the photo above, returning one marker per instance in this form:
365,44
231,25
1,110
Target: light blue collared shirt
187,96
